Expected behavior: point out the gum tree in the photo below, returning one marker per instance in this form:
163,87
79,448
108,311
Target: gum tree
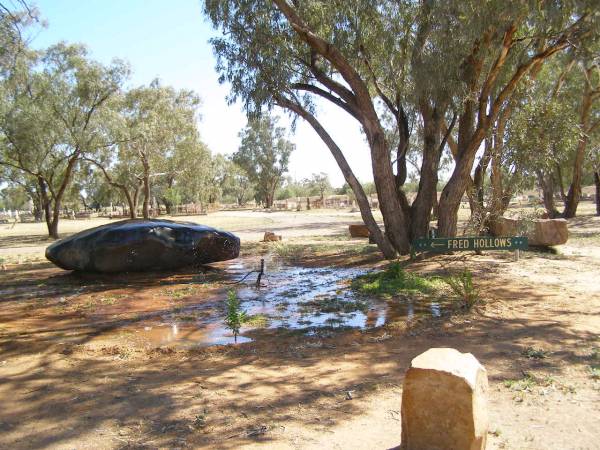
50,118
156,121
264,155
452,64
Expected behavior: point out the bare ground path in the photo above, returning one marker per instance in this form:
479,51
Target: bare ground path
70,380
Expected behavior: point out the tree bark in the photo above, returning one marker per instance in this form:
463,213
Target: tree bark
396,222
574,194
427,193
45,205
597,183
146,206
546,184
561,186
454,190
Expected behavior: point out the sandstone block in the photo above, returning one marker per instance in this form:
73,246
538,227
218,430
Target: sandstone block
542,232
548,232
358,231
271,237
444,402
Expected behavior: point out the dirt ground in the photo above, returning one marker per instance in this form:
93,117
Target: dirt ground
74,372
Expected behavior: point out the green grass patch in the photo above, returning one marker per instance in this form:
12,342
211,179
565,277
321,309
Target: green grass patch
293,251
178,293
257,321
527,383
289,251
394,280
334,305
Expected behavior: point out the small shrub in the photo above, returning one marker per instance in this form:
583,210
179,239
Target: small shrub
527,383
595,372
200,421
462,286
535,353
235,317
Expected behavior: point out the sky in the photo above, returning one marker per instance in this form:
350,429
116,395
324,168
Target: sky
169,40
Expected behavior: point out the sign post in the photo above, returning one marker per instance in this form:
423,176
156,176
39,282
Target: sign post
471,243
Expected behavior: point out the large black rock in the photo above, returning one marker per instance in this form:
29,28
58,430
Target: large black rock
140,245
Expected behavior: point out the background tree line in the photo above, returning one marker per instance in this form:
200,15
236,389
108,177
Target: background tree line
73,132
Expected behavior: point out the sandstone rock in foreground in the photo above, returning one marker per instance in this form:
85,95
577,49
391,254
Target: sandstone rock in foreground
444,402
143,245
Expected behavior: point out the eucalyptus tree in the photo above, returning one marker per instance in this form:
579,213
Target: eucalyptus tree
122,172
13,196
291,188
17,20
89,186
50,118
558,119
186,175
595,165
264,154
21,181
319,183
587,93
237,184
157,119
455,64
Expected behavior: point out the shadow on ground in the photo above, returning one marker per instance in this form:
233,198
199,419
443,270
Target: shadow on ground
64,392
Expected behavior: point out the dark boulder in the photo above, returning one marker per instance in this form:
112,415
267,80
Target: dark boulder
143,245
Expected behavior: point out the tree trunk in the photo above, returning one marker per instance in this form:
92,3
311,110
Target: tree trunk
496,202
46,205
597,183
456,187
561,186
145,184
477,194
574,194
269,200
451,197
146,206
53,227
427,194
546,184
130,201
396,222
168,206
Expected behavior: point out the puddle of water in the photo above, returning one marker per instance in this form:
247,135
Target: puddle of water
290,297
185,336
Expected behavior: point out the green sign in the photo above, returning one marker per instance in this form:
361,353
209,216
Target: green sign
470,244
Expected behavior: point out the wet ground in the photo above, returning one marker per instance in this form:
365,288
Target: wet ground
311,299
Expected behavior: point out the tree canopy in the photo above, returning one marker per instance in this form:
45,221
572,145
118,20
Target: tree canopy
264,154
